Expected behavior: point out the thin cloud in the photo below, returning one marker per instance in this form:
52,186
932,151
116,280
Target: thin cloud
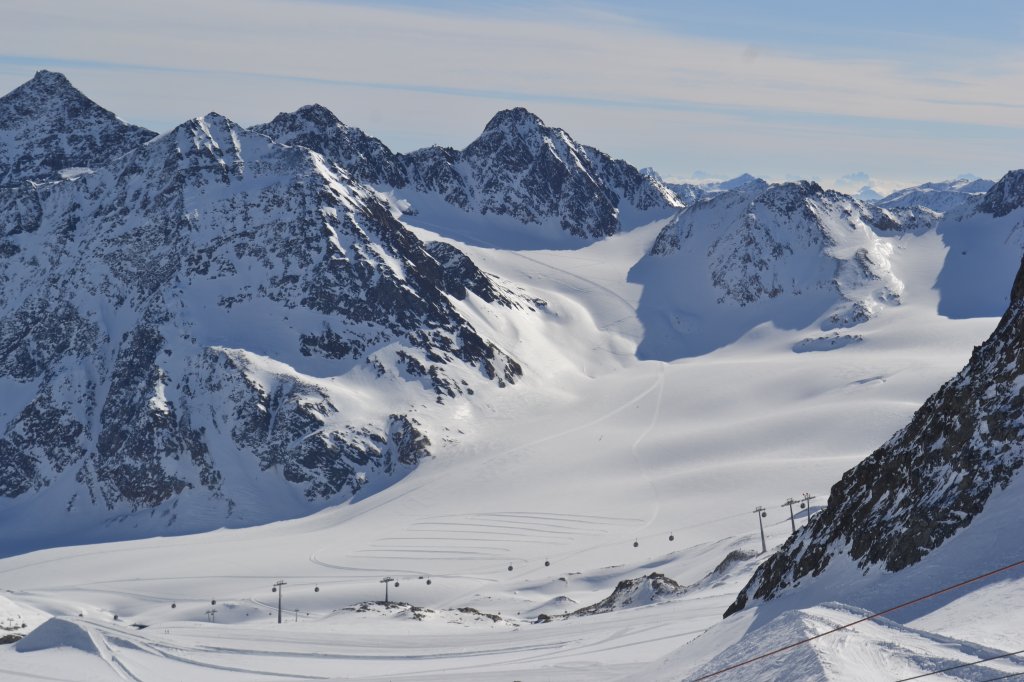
256,57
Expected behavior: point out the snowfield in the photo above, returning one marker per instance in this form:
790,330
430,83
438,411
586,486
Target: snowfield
540,500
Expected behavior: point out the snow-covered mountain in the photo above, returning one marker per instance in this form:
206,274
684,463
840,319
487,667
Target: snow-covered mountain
218,329
518,172
692,192
793,254
933,505
48,126
314,126
938,196
985,237
222,320
862,186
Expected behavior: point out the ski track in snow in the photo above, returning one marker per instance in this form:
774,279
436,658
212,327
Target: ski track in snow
633,460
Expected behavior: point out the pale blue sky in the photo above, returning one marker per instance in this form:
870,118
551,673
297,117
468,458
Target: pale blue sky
906,91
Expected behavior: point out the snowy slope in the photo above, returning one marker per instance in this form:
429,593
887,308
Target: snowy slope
47,126
592,451
224,322
216,283
875,650
792,254
932,506
986,240
938,196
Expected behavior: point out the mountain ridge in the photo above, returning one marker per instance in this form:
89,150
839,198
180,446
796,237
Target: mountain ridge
47,125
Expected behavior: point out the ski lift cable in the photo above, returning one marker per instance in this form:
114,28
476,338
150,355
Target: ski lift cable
1003,677
965,665
860,620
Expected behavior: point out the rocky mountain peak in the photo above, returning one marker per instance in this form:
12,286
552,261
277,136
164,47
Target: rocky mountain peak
518,168
47,125
316,127
317,113
1005,196
516,119
50,80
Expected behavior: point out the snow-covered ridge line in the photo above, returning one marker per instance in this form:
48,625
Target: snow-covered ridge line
518,168
47,126
218,318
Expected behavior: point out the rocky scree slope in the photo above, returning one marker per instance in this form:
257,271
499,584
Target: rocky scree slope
46,125
220,318
518,168
928,483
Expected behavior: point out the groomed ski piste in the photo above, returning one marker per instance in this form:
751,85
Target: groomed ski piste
599,468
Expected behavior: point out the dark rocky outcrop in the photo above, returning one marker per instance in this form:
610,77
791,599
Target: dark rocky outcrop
183,321
518,168
46,125
928,482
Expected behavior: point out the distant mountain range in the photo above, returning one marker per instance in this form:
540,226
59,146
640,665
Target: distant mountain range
938,196
221,325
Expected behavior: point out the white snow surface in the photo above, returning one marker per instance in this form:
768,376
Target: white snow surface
593,451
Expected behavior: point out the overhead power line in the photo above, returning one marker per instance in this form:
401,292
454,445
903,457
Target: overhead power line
965,665
872,616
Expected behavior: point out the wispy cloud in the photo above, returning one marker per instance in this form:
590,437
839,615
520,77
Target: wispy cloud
429,63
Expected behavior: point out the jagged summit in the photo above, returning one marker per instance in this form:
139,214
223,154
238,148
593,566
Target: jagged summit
1005,196
47,125
316,127
317,112
517,118
518,170
49,79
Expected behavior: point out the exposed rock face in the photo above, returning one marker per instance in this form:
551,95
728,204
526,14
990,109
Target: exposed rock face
518,168
791,253
927,483
762,231
46,126
366,158
1005,196
648,589
185,320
